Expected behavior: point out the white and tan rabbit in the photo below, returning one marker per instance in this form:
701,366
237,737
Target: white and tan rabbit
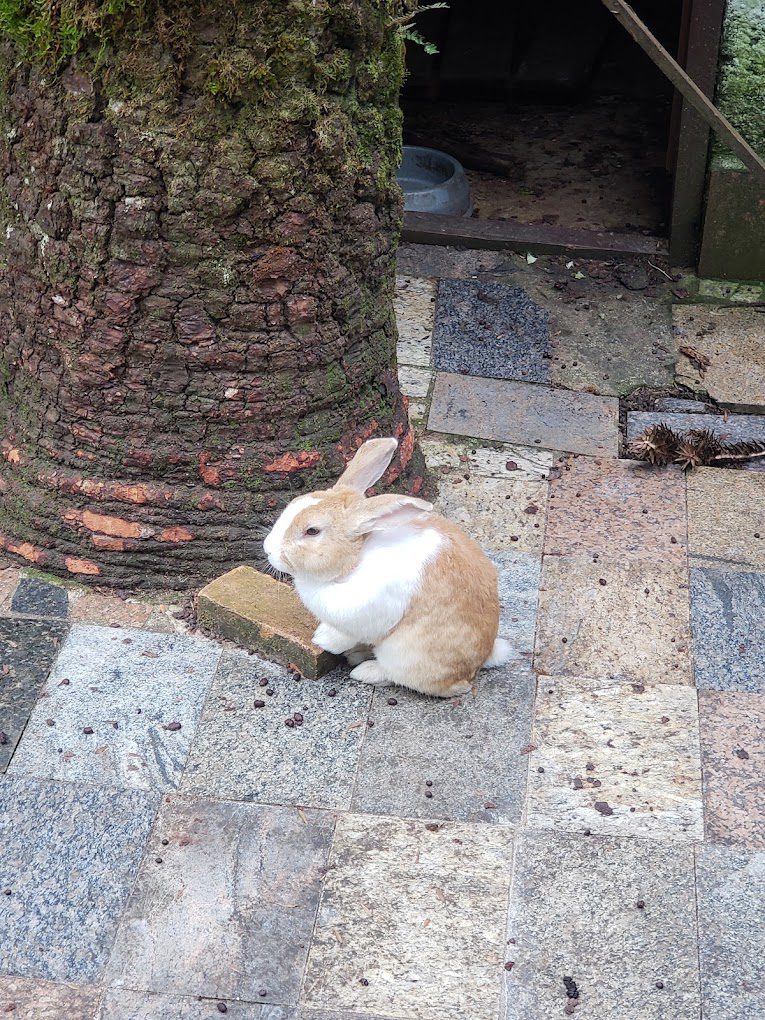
405,594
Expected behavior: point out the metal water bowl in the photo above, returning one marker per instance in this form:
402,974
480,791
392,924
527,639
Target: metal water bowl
433,182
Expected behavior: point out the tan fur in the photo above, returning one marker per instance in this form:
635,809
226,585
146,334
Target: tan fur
337,552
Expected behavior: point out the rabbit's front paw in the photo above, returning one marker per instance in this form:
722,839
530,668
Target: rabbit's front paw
370,672
332,640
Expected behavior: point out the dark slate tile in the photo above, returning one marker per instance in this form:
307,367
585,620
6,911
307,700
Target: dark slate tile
225,902
27,651
728,621
34,597
488,329
69,856
470,749
731,892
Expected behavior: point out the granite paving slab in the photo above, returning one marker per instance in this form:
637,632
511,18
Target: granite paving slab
613,619
616,758
412,920
107,610
414,304
501,514
243,751
127,714
445,456
726,519
122,1004
618,509
516,412
489,329
27,999
518,583
462,760
225,902
574,912
732,727
9,579
27,651
728,621
34,597
414,382
731,891
613,346
70,856
722,354
735,428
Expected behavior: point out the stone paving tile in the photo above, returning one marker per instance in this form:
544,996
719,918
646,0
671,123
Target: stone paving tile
445,456
731,891
728,620
518,582
616,758
468,750
70,856
27,999
635,626
615,508
489,329
417,914
230,909
27,651
139,681
495,512
612,346
573,912
736,428
726,519
414,304
241,752
514,412
729,340
9,579
414,382
418,412
34,597
732,727
89,607
121,1004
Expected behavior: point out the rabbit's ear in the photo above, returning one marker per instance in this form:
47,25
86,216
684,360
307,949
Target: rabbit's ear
368,465
381,513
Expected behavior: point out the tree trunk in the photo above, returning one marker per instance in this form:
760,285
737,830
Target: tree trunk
199,220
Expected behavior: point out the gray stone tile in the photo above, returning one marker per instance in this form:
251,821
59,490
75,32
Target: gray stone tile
495,511
728,621
27,651
489,329
241,752
673,404
70,856
516,412
731,891
468,749
734,429
141,682
411,920
445,456
34,597
617,758
414,304
122,1004
27,999
414,382
726,519
573,912
519,577
228,913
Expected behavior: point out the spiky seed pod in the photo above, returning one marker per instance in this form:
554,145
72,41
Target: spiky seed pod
708,445
742,451
688,454
658,445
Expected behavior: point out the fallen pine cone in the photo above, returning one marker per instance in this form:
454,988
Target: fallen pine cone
660,445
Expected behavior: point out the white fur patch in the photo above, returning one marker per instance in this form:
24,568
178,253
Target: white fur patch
370,602
273,541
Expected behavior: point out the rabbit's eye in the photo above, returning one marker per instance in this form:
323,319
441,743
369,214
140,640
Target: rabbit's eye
312,531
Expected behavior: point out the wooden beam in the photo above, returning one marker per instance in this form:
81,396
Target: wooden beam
686,86
502,235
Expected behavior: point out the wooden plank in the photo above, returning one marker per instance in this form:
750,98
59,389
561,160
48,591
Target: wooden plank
686,86
500,235
690,164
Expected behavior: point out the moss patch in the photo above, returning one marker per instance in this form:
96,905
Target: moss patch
741,85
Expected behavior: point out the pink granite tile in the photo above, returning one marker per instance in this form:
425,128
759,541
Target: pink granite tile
732,727
610,507
29,999
107,610
9,579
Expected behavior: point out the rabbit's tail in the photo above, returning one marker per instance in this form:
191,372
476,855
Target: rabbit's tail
500,654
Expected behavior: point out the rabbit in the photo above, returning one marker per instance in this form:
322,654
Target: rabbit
405,594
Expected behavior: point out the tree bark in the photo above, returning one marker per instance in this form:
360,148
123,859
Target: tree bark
196,286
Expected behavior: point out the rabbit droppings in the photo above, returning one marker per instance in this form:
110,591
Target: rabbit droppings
403,593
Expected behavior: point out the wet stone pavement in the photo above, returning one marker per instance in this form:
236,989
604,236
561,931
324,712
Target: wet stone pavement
583,835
